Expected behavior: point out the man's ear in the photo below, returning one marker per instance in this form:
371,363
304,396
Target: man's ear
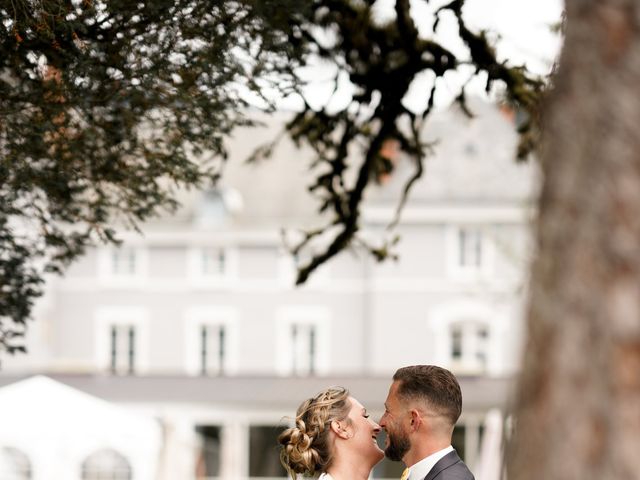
339,429
416,419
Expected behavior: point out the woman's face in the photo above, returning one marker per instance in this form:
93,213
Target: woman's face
364,431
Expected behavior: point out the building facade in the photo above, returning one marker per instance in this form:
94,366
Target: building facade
196,322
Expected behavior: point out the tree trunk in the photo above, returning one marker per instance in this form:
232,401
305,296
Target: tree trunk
578,404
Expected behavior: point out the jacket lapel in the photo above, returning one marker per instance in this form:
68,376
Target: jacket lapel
449,459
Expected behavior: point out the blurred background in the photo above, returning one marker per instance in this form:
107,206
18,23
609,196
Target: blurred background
183,353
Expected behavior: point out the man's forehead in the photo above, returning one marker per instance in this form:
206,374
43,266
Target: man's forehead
393,392
395,385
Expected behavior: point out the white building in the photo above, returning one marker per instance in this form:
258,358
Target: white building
196,323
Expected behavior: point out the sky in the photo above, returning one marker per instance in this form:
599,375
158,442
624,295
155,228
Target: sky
522,29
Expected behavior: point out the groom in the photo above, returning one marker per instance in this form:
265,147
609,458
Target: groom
423,405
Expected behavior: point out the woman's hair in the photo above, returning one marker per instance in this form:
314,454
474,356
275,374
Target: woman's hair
305,447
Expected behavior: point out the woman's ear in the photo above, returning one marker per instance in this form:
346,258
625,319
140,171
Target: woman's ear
335,426
340,430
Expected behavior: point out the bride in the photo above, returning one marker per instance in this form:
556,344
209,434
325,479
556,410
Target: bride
334,436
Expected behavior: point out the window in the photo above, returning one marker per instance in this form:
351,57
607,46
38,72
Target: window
122,266
303,348
211,341
470,248
211,210
213,262
121,339
302,343
216,207
212,266
469,337
264,453
469,346
106,465
14,464
123,262
208,456
123,349
212,349
470,253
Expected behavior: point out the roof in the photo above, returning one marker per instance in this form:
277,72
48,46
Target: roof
479,393
473,161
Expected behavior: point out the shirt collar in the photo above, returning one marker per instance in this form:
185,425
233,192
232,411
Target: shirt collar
419,470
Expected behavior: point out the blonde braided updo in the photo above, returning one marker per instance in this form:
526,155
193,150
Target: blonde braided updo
306,448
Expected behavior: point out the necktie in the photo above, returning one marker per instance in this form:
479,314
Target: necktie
405,474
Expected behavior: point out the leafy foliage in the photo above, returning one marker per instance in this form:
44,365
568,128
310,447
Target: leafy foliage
107,108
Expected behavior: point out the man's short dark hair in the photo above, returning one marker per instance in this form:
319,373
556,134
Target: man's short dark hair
436,386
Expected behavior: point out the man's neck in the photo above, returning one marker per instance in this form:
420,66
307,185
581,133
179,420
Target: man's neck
421,450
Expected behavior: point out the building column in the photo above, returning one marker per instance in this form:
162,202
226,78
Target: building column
234,464
178,451
472,441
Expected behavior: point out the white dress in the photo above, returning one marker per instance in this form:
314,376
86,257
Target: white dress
325,476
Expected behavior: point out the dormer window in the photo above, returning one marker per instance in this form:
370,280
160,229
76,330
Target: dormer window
216,206
211,211
212,266
122,266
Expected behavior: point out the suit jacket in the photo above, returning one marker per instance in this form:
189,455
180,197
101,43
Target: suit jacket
449,467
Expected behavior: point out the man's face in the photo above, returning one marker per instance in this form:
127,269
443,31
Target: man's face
397,443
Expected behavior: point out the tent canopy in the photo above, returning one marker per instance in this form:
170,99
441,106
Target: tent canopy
41,412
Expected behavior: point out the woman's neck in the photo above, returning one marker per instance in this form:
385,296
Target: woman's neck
346,470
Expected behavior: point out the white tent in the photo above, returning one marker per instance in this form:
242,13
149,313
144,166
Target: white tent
57,427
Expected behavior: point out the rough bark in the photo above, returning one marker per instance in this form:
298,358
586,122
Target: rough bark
578,405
